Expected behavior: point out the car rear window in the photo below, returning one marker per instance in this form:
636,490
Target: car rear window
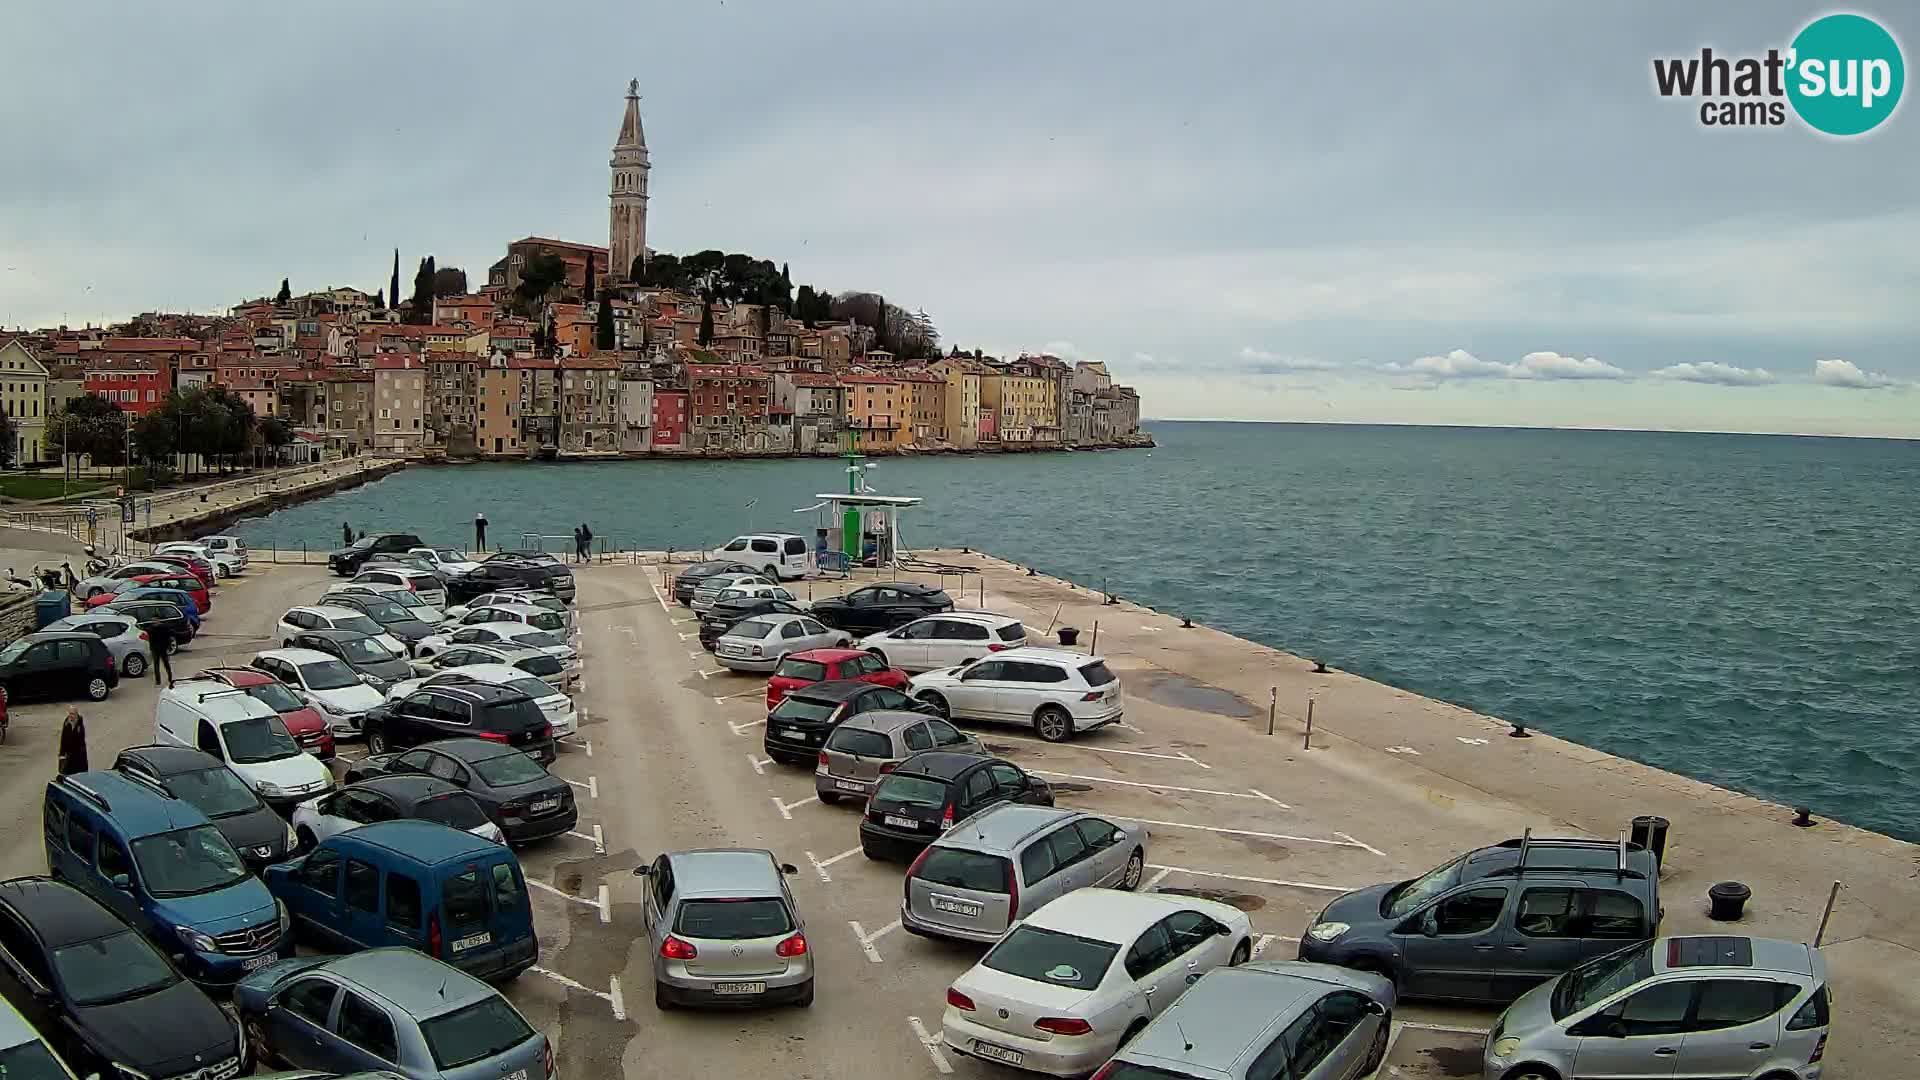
514,714
475,1033
547,620
864,743
911,791
1012,632
464,897
512,767
799,708
1811,1014
1096,673
1051,957
733,920
453,811
960,869
540,665
751,629
810,670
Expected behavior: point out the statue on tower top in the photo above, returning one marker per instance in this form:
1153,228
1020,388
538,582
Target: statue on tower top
633,87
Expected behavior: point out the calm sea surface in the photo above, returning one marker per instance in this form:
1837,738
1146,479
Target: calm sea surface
1742,609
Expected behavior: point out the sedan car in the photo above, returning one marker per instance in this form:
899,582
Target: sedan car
524,799
86,587
335,690
1058,693
389,798
394,621
872,608
192,564
724,613
514,634
555,705
391,1011
497,714
724,930
250,825
303,721
497,574
126,641
370,657
540,665
762,642
862,750
800,669
688,580
57,664
709,591
328,617
1067,984
798,727
932,792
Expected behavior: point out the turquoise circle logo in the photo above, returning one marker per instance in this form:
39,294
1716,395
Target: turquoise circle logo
1847,74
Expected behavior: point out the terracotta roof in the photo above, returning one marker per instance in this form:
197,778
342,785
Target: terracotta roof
396,362
447,356
120,364
815,381
136,344
590,363
871,380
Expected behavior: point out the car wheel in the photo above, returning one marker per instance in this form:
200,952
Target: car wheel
939,703
878,655
662,999
829,798
376,742
220,571
96,689
1377,1053
304,840
772,573
1053,723
805,1000
1133,1031
1524,1072
1242,953
1136,869
135,666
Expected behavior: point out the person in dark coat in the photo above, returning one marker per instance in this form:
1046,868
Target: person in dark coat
160,640
346,534
73,743
586,542
480,531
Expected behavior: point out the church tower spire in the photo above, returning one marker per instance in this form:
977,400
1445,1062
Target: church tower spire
627,214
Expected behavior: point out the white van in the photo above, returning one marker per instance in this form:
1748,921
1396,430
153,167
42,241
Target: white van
246,734
781,556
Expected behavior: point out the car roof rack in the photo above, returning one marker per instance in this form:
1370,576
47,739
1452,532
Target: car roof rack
87,793
1529,846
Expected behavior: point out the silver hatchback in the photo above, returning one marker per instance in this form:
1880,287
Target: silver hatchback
867,747
724,930
982,875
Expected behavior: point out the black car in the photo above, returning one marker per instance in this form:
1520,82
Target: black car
929,793
57,664
371,797
106,999
500,575
155,614
362,652
251,826
524,799
393,618
347,561
874,608
687,582
722,616
496,714
798,727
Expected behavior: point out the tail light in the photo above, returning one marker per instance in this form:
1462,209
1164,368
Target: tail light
546,731
513,808
1819,1051
492,736
1013,892
1064,1025
675,949
793,946
143,635
546,1055
412,586
994,646
946,818
821,766
433,935
888,766
1093,695
959,1000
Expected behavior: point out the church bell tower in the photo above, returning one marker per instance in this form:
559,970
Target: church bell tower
627,214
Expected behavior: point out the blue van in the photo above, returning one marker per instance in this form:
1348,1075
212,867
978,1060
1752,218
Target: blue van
450,894
162,866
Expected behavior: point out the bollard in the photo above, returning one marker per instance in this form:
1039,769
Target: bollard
1651,833
1186,623
1519,732
1307,742
1069,636
1727,900
1803,817
1273,706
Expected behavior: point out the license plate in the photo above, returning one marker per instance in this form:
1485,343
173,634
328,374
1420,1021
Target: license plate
998,1053
957,907
517,1074
544,805
848,785
471,941
900,822
733,989
255,963
796,734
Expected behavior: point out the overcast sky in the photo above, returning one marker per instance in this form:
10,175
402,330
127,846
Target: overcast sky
1408,213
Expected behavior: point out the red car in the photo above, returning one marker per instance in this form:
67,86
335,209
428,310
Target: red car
302,721
819,665
198,567
185,582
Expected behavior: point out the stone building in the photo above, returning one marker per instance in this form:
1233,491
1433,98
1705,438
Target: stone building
627,193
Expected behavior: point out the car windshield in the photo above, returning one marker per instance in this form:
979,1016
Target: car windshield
275,696
365,650
751,630
383,611
1596,980
539,665
404,599
795,668
13,650
533,688
475,1033
457,811
1051,957
327,675
217,793
31,1061
911,790
1403,898
512,767
187,861
257,739
959,869
799,708
112,968
450,554
733,920
357,623
538,639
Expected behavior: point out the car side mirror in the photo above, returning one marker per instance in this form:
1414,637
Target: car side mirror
121,882
1119,836
369,680
643,871
1223,930
789,868
1374,1008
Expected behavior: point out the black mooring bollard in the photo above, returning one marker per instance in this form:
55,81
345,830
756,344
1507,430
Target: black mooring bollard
1519,732
1726,900
1803,817
1186,623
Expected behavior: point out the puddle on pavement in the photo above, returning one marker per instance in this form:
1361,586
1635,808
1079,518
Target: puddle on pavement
1243,901
1433,1055
1180,692
1060,786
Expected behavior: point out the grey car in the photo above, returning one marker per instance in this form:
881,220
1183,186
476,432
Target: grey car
394,619
1264,1020
536,662
724,930
981,876
759,644
392,1010
710,589
369,658
125,640
1692,1008
863,749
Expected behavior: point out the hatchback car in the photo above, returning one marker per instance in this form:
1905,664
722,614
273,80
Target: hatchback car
1693,1008
512,634
1264,1020
540,665
1495,922
92,584
872,608
57,664
553,622
126,641
759,644
111,1003
260,835
390,798
798,669
516,596
129,591
404,597
377,663
303,720
497,574
392,1012
933,792
709,591
724,930
798,727
347,561
336,691
500,715
720,618
424,584
1066,985
327,617
688,580
554,704
155,614
864,749
944,641
191,563
447,562
395,621
524,799
1058,693
972,883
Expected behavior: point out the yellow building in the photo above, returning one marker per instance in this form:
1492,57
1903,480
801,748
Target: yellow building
1023,407
878,412
960,418
25,398
497,427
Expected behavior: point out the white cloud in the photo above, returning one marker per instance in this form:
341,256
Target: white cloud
1260,360
1551,365
1458,364
1712,371
1847,374
1461,364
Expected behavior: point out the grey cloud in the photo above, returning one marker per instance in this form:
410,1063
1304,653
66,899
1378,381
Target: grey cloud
1460,364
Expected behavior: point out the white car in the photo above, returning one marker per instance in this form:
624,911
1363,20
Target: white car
419,581
527,614
339,694
399,594
545,600
709,591
750,592
510,634
244,733
946,640
777,555
1057,693
760,642
1071,982
451,561
391,798
324,617
226,563
554,704
546,668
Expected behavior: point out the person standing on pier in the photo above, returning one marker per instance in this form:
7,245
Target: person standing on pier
346,534
586,542
73,743
480,530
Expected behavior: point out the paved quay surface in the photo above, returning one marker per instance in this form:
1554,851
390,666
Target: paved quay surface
669,756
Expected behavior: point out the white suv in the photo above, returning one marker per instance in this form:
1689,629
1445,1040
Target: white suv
1059,693
946,640
780,556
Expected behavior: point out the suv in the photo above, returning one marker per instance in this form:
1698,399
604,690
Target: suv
1687,1007
346,562
724,929
928,794
944,641
506,575
797,728
971,884
395,621
428,586
780,556
56,664
255,831
497,714
543,666
1495,922
1059,693
160,865
326,617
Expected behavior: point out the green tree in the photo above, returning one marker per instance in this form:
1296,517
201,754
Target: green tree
89,424
155,437
285,296
591,285
393,287
9,441
603,339
539,276
420,306
449,281
275,433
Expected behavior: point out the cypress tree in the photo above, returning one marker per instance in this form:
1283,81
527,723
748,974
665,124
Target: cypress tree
603,326
393,287
590,282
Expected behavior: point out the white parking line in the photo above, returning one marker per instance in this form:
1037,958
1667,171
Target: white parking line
606,906
1260,944
820,865
741,729
683,622
1155,880
996,737
611,995
1248,794
759,764
684,636
615,998
1361,844
1256,880
691,655
711,674
786,809
755,692
597,840
591,787
544,887
1344,841
867,940
931,1042
589,743
657,595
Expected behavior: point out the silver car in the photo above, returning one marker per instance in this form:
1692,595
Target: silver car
553,622
724,930
536,662
710,589
1266,1019
761,642
980,877
125,640
1683,1007
515,596
863,749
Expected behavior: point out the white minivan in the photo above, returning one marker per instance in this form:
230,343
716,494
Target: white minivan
246,734
781,556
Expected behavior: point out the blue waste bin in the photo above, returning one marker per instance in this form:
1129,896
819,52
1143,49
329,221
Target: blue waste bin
51,606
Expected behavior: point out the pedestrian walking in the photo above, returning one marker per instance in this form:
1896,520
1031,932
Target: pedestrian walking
73,742
480,531
586,542
346,534
160,639
577,542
